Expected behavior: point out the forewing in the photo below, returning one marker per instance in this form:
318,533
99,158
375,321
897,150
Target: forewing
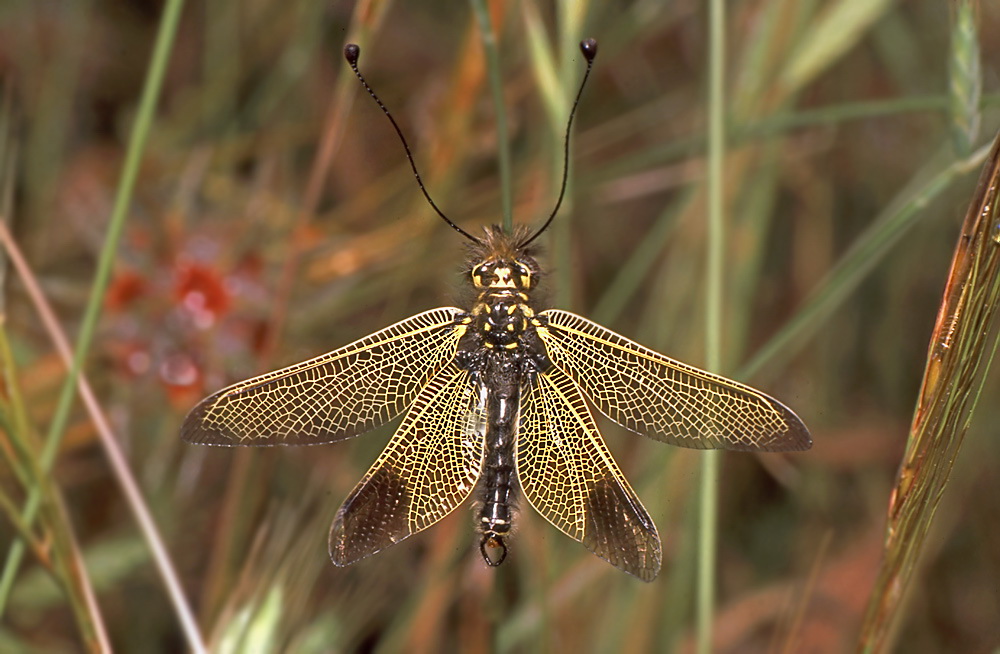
428,468
334,396
567,473
664,399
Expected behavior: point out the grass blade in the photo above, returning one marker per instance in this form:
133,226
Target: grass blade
961,350
856,264
833,33
113,451
965,87
137,142
488,35
715,186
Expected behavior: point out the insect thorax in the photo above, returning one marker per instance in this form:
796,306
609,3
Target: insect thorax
500,330
501,318
504,274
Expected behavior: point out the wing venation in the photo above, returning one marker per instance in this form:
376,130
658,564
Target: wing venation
429,467
568,475
334,396
667,400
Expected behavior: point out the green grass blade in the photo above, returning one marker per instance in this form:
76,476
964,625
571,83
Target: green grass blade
856,264
962,347
834,32
714,272
130,171
488,36
965,79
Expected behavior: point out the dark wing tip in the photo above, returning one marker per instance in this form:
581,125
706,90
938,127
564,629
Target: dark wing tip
796,438
199,428
195,430
792,437
373,517
337,545
620,531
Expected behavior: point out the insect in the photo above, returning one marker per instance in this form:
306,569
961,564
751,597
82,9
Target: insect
495,403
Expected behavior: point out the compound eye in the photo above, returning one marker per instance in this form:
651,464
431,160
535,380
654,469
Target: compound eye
479,273
523,275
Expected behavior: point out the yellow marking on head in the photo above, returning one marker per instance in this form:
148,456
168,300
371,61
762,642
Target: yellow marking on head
502,278
511,346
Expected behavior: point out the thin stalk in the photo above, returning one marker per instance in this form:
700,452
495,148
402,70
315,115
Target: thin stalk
781,123
319,172
965,80
709,508
855,265
556,85
366,20
116,457
962,347
130,172
570,15
496,86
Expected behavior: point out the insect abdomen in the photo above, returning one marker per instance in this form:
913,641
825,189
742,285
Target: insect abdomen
498,481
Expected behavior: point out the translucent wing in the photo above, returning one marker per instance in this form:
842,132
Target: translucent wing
665,399
334,396
428,468
567,473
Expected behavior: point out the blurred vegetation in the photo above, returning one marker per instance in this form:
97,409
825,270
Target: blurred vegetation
275,217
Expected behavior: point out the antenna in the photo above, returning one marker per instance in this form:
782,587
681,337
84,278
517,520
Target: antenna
589,49
351,53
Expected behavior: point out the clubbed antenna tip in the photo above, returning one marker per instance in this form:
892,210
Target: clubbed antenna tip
352,51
